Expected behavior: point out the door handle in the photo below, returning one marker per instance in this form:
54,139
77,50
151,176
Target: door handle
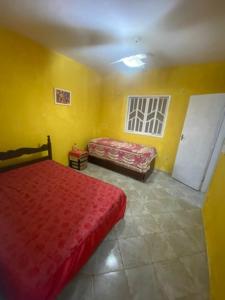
182,137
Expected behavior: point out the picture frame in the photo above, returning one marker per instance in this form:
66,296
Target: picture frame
62,97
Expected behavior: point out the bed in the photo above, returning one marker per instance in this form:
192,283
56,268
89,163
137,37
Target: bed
134,160
52,218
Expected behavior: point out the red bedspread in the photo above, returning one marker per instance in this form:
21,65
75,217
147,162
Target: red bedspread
51,220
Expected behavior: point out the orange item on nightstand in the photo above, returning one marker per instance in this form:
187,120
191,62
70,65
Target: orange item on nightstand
78,153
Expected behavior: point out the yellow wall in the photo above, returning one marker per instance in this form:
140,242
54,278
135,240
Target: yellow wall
214,223
28,75
179,82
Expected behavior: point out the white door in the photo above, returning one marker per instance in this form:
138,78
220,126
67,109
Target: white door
214,157
201,128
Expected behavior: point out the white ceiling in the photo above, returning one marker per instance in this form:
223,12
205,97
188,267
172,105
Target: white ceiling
98,32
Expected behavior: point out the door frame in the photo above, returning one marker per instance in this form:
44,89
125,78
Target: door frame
215,152
214,157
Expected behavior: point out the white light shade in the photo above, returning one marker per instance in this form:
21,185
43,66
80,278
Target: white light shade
133,61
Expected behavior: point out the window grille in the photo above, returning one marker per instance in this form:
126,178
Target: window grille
147,114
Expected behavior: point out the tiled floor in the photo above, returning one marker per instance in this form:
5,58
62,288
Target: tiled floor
156,253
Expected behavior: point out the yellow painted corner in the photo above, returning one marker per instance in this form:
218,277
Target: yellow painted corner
29,74
178,82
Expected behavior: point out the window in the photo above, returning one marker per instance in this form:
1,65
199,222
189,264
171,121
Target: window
147,114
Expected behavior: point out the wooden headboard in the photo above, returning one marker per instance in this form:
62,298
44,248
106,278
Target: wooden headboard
24,151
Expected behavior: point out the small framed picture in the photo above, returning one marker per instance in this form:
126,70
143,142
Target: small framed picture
62,97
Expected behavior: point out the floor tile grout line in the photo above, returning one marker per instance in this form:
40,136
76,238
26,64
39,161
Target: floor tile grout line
161,287
157,232
177,258
172,195
154,265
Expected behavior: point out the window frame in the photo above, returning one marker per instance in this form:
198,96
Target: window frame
145,133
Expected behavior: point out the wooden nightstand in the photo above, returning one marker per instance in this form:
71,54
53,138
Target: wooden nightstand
78,159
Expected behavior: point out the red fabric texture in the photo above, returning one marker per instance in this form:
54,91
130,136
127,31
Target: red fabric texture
52,218
133,156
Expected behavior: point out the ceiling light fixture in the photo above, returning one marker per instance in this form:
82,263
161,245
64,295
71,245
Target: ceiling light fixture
134,61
